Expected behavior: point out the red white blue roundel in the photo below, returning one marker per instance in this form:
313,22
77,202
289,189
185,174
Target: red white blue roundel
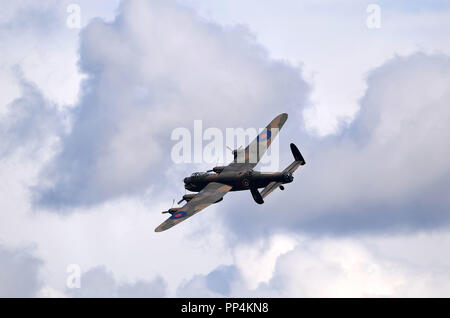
265,135
178,215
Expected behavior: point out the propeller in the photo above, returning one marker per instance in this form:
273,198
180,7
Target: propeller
235,152
235,149
173,202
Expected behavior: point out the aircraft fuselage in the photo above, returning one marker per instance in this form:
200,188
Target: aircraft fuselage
243,180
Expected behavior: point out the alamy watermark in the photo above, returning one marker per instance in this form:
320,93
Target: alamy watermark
212,145
74,278
373,20
74,18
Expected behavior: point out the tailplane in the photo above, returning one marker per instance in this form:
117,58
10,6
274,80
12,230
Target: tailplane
298,161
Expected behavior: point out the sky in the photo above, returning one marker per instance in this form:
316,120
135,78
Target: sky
87,111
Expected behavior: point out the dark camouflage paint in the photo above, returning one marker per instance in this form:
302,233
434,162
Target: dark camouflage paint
235,174
250,157
212,193
273,185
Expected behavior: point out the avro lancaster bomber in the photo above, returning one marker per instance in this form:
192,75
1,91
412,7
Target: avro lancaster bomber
211,186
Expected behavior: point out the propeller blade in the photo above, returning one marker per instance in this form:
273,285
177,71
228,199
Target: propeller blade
240,147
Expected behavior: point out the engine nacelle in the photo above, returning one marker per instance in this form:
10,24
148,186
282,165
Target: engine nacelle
188,197
218,169
171,211
288,177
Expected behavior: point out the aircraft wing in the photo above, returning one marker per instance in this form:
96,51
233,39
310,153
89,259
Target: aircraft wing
250,157
269,188
210,194
294,166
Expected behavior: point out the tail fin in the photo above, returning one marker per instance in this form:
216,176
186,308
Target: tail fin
299,160
297,155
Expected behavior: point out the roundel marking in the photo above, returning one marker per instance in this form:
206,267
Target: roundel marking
265,135
178,215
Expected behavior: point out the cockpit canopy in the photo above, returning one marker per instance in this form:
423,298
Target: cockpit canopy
199,174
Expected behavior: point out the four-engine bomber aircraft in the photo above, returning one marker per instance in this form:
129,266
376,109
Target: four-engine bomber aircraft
238,175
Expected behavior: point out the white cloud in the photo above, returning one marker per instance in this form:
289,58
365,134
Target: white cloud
333,44
37,40
385,175
386,172
321,267
257,260
157,67
334,269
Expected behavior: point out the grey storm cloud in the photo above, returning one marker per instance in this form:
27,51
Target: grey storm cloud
98,282
19,272
388,171
29,120
217,283
159,66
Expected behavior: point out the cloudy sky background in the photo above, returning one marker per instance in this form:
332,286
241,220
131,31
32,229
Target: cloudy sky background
86,117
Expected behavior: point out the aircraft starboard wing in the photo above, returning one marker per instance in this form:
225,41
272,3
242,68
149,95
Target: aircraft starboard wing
249,158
